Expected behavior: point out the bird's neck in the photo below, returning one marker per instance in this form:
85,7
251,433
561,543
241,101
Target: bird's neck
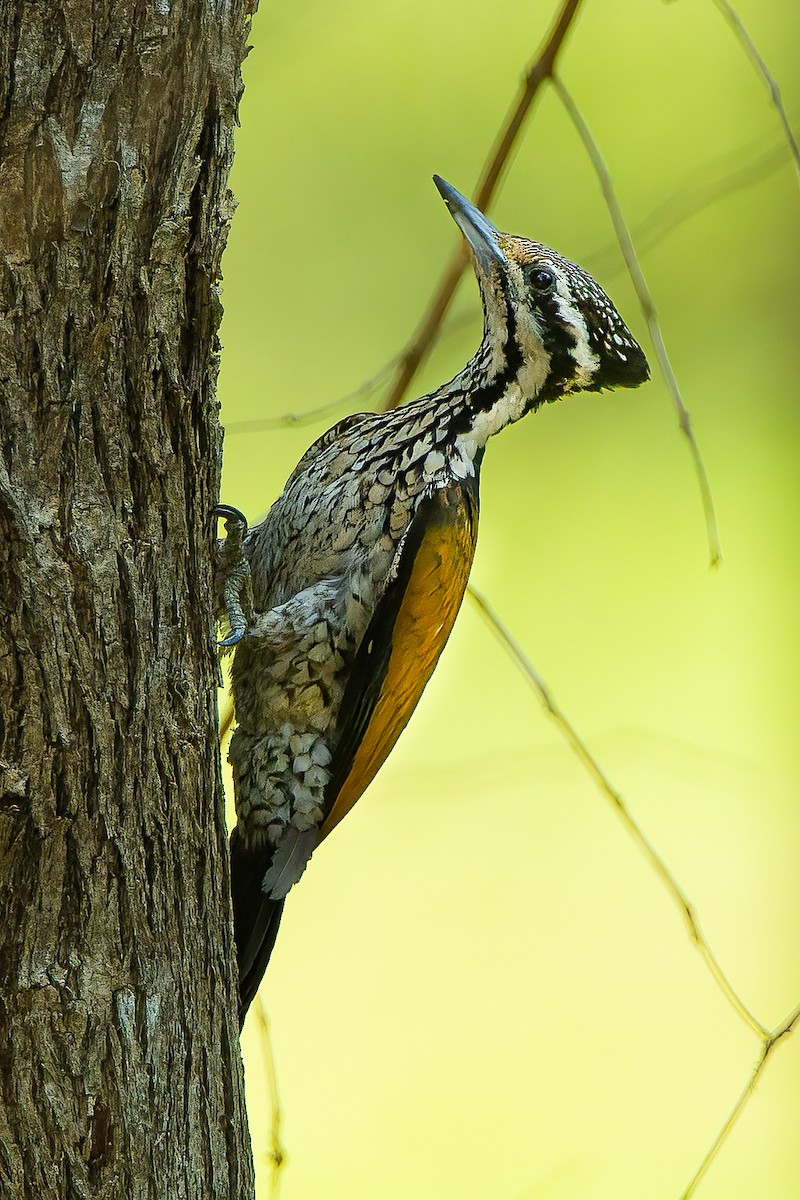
499,384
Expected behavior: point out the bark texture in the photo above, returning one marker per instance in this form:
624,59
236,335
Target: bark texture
119,1061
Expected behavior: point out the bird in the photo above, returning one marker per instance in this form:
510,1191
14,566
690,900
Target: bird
339,603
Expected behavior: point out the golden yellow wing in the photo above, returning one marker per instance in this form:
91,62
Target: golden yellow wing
403,642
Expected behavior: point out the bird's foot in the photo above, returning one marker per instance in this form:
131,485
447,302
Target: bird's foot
233,574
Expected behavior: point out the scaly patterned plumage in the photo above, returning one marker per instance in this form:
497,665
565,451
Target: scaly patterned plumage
359,569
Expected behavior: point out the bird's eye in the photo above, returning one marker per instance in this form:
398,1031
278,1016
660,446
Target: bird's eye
542,280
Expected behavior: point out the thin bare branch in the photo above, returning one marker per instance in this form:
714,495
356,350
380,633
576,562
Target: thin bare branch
664,219
346,402
735,21
648,308
723,1134
732,173
610,792
540,69
277,1152
766,1049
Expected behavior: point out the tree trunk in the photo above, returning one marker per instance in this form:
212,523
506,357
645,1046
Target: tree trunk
120,1073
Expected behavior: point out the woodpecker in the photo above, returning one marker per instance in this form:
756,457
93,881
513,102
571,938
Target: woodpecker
340,602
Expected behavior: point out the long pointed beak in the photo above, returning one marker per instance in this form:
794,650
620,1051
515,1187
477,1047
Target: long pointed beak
476,228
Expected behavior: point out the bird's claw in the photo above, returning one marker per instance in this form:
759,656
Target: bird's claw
229,513
234,572
234,637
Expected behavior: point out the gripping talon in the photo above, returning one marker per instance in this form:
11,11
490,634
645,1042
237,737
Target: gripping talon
229,513
233,638
234,570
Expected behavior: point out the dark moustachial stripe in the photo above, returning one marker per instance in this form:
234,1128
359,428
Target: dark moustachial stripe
559,340
485,395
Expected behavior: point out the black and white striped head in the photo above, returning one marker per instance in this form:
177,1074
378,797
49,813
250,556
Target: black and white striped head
549,323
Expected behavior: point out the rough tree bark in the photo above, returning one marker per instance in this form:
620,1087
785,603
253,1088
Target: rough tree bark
119,1061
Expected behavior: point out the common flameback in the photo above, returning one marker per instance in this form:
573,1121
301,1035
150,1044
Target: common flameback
340,602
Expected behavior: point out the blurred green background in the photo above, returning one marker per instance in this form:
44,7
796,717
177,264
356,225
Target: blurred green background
481,988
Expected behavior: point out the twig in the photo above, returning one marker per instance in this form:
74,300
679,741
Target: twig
539,70
768,1039
610,792
649,310
277,1153
767,1047
648,233
686,203
310,415
735,21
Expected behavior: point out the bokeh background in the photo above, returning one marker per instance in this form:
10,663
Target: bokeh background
481,988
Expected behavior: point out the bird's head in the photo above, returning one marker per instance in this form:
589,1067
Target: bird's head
549,326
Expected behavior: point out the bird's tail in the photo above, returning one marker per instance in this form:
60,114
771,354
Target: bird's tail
255,919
